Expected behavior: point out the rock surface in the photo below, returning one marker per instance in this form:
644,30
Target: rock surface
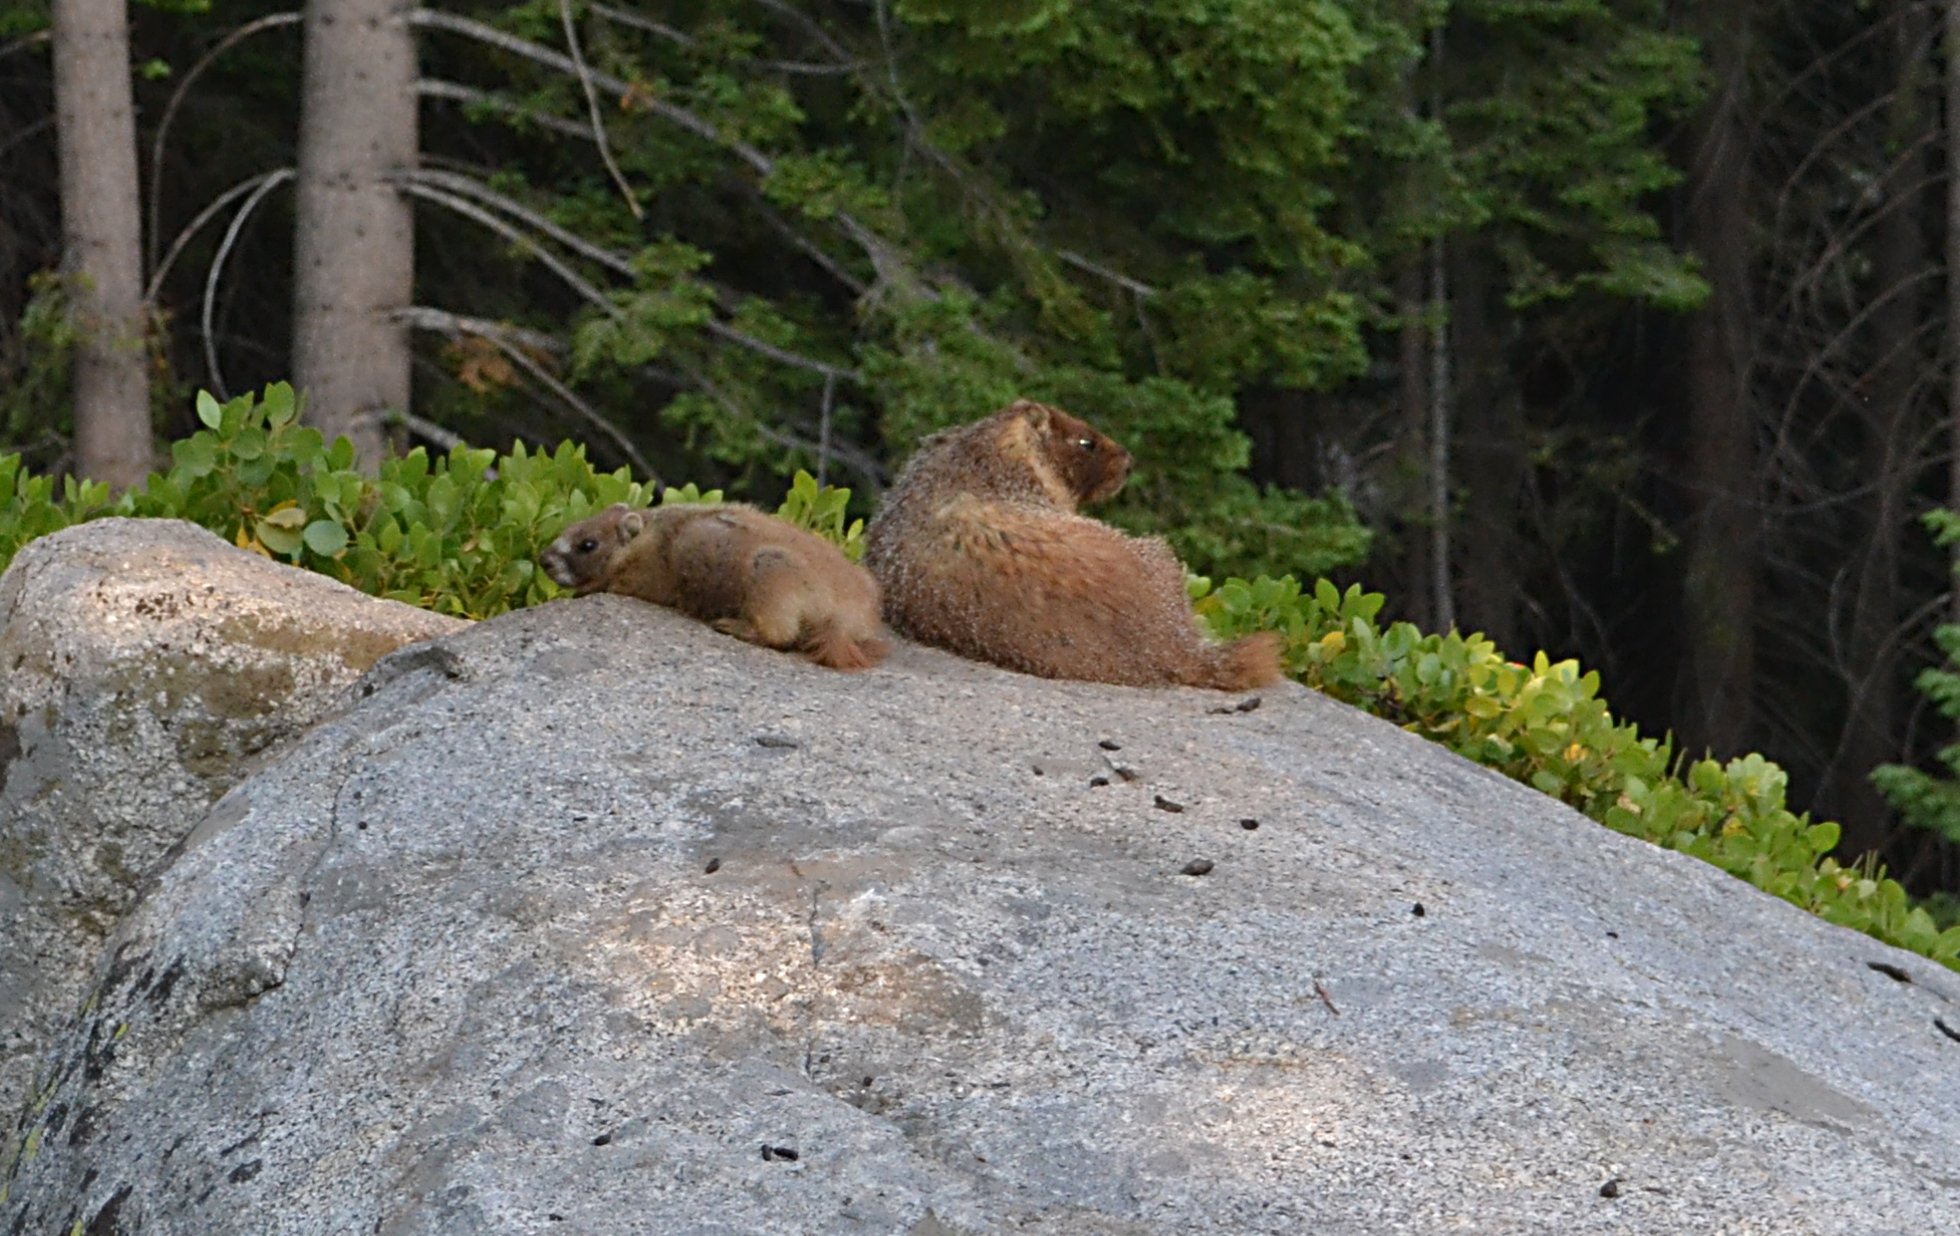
591,920
143,663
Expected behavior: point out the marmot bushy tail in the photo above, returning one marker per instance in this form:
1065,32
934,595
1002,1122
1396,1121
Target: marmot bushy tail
749,574
980,551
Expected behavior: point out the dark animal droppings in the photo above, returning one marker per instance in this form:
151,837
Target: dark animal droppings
1197,867
1244,705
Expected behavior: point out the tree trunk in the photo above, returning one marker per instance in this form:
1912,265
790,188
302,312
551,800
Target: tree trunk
1719,589
1442,593
1441,390
354,255
102,240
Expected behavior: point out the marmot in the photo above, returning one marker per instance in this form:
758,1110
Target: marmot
749,574
980,551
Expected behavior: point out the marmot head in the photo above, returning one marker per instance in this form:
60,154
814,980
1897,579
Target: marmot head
1089,464
580,556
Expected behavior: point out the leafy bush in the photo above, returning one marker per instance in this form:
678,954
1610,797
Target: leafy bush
29,507
457,533
1545,725
1922,799
821,509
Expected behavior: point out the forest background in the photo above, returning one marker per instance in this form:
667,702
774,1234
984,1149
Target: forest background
1614,328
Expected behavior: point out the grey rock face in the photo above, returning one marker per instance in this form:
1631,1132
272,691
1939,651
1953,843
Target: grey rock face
142,664
591,920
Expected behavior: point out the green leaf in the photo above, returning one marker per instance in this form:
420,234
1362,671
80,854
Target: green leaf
195,456
275,536
325,537
279,404
248,443
208,410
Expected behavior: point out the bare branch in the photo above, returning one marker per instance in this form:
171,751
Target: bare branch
857,460
469,187
277,175
648,25
592,106
436,89
412,183
451,190
271,21
441,321
270,182
830,372
890,266
26,133
1121,280
24,42
515,345
447,439
817,33
769,214
807,247
436,19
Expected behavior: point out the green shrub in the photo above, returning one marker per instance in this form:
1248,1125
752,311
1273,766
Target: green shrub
457,533
1545,725
29,507
1922,799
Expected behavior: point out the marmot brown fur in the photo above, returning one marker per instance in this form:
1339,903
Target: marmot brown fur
751,575
980,551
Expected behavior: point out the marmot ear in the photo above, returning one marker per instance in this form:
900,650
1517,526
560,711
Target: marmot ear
631,523
1038,415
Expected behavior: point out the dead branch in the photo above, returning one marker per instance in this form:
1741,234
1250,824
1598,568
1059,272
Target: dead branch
592,107
271,21
433,88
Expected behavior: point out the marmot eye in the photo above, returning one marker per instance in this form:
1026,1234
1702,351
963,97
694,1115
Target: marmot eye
1087,444
588,545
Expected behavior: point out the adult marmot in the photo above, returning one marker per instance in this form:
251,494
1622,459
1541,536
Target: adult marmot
749,574
980,551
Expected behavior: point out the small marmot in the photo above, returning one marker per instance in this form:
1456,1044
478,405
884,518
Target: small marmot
980,551
748,574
